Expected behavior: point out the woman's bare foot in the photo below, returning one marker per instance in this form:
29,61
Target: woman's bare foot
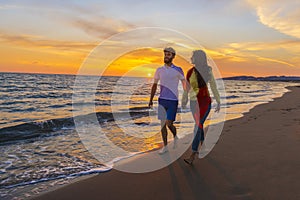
191,158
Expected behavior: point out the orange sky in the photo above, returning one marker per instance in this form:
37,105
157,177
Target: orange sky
142,62
245,38
40,58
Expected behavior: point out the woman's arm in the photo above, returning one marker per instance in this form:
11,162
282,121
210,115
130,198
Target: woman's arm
185,98
215,91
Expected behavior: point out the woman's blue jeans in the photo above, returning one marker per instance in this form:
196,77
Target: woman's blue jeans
198,131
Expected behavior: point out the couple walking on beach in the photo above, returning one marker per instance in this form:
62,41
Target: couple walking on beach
194,85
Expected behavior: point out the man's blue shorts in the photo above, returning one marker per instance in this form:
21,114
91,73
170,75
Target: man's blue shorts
167,109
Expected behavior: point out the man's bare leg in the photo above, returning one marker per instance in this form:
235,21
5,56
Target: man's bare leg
164,132
171,127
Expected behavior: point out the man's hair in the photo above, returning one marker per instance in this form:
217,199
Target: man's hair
170,49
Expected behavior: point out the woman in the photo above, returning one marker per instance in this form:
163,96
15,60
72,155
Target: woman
200,101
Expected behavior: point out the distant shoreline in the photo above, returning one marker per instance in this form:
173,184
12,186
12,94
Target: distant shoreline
295,79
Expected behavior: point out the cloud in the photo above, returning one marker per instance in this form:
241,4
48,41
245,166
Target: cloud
274,61
32,41
283,16
6,7
281,52
101,26
256,46
91,19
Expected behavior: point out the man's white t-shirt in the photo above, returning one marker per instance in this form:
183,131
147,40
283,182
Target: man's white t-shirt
169,78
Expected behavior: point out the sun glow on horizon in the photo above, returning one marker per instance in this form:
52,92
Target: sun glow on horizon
141,63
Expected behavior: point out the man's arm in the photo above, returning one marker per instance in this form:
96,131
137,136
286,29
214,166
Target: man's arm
153,91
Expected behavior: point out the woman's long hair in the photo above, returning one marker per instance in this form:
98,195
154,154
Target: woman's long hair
201,69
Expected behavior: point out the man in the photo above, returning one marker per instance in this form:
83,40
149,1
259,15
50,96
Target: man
169,76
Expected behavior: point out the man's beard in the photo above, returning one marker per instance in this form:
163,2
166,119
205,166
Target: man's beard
168,60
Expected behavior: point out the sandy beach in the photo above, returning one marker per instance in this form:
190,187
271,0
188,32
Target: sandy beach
257,157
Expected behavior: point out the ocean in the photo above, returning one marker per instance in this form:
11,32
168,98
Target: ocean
40,145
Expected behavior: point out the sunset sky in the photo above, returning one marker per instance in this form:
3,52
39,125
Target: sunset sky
243,37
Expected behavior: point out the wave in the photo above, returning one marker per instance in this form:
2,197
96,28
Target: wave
87,172
13,103
257,95
33,130
240,102
50,95
230,97
60,106
254,91
51,127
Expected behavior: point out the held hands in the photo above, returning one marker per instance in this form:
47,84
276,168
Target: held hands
218,107
150,105
183,104
184,100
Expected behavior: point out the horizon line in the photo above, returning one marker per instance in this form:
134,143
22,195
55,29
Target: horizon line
41,73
